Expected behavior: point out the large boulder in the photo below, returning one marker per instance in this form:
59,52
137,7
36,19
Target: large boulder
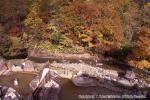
9,93
3,89
130,75
49,91
50,74
34,83
125,82
84,80
44,87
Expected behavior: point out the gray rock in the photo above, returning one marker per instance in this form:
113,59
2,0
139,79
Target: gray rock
16,68
7,72
9,93
113,73
34,83
144,84
130,75
4,89
84,80
50,75
49,91
28,66
108,78
125,82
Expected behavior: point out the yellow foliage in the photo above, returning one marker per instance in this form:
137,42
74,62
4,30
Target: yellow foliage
107,42
147,5
52,27
140,64
33,20
90,44
86,38
25,36
15,42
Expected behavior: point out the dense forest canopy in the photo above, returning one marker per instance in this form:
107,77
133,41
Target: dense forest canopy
97,26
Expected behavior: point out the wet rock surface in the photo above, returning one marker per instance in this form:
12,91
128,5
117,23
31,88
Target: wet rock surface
84,80
49,91
128,80
88,76
125,82
8,93
44,87
130,75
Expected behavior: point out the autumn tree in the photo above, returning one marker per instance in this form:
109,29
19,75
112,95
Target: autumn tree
140,56
33,21
5,42
13,11
145,15
141,50
93,19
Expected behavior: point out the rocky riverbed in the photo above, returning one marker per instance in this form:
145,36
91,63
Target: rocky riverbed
128,80
109,80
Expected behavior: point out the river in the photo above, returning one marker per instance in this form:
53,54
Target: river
68,90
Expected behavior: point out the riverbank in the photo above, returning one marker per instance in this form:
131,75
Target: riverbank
67,69
73,57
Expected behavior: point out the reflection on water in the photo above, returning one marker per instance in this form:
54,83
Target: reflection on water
70,92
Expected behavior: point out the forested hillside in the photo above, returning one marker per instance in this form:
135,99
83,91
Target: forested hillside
104,27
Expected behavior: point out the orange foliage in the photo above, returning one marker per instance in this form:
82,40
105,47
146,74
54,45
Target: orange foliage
141,50
140,64
14,31
142,43
87,10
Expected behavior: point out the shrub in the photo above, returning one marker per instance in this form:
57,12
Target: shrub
5,44
140,64
66,42
141,50
56,38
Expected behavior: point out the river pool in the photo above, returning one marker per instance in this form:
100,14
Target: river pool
68,90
